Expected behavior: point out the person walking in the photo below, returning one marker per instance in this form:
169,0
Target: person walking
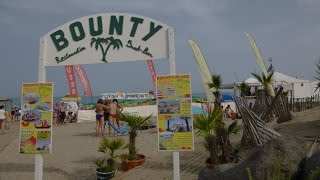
62,112
99,117
2,119
13,113
56,113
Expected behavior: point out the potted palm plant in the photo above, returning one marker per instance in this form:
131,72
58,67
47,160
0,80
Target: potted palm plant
216,134
134,122
111,149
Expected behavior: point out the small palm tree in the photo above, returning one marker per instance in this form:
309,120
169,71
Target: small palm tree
243,88
216,135
216,84
266,81
111,149
134,122
110,41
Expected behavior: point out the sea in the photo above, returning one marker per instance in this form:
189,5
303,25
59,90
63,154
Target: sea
16,102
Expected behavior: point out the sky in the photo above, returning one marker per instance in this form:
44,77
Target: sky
287,31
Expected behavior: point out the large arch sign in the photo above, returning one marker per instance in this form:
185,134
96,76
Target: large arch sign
107,38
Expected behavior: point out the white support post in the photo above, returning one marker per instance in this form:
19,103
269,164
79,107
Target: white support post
172,56
176,166
172,61
38,164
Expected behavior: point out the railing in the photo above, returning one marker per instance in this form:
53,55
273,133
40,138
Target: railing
301,104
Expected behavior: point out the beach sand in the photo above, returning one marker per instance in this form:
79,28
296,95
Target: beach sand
75,145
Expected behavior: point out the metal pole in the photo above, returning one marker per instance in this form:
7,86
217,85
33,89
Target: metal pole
172,61
38,170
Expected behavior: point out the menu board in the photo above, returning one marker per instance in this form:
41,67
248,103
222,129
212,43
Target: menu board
36,118
175,124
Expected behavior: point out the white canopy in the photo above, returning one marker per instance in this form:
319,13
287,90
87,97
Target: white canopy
277,78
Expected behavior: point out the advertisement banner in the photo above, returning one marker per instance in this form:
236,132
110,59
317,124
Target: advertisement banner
175,124
113,95
36,122
139,96
83,79
71,80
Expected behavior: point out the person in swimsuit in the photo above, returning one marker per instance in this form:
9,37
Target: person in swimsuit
99,117
56,113
13,113
62,112
106,115
114,109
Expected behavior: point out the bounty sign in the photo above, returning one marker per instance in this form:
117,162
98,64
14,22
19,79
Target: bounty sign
106,38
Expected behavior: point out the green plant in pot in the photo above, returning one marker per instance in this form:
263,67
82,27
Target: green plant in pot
216,135
112,150
134,122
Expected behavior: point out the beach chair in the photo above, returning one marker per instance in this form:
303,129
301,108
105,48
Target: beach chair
122,130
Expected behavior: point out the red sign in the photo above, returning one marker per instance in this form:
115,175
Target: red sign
152,71
71,80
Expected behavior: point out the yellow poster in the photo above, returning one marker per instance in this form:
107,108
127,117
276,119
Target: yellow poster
175,125
36,121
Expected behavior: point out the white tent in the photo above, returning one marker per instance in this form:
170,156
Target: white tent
298,88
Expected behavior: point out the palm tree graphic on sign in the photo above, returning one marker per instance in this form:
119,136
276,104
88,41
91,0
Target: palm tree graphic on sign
110,41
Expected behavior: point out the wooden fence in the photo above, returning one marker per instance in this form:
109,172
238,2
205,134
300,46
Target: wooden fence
301,104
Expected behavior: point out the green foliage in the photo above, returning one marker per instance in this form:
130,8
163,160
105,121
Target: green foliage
243,88
110,149
314,174
249,173
216,84
264,80
277,168
134,122
216,135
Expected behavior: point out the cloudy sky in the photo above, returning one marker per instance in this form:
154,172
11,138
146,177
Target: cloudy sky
288,31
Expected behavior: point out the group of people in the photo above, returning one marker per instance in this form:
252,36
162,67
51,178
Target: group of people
15,114
60,113
106,112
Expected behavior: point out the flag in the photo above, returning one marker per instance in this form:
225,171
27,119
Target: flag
71,80
152,72
203,69
259,58
83,79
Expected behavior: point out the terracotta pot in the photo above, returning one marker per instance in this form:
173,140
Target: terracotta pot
129,164
211,165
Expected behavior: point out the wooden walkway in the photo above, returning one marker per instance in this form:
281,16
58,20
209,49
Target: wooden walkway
159,165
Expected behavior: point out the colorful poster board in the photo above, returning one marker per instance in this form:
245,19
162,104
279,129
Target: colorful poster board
175,124
36,119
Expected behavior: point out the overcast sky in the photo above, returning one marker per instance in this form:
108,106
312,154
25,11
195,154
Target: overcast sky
288,31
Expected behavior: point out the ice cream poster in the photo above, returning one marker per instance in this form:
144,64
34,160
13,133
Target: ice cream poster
175,123
36,118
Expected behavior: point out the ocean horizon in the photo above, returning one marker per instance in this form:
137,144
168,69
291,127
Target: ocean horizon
16,102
